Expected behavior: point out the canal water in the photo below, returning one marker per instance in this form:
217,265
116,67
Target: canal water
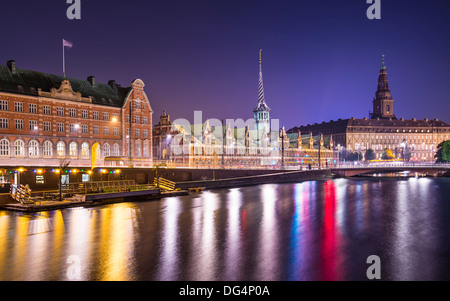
318,230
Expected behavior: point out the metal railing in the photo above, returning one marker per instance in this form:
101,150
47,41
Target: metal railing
164,184
99,186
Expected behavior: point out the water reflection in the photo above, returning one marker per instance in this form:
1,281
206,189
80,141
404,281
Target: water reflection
321,230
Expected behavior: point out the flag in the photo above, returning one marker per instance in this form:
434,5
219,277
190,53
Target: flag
67,43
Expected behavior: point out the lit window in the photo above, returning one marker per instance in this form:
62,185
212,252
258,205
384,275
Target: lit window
47,149
33,148
61,149
4,147
106,150
19,148
73,151
116,150
85,149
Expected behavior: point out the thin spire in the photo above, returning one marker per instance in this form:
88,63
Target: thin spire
261,100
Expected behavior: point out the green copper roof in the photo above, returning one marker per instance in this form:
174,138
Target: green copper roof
28,82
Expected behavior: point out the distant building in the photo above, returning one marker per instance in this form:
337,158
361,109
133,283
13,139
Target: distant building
45,118
227,146
418,139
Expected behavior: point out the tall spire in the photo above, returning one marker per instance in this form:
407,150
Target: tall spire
383,103
262,106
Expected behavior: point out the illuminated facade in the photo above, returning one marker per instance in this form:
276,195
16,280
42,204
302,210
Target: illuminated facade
45,118
414,139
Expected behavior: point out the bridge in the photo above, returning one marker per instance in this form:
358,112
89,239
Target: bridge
349,170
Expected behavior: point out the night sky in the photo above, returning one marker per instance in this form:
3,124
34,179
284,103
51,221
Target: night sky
320,58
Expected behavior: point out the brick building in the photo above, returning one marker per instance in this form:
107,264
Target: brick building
45,118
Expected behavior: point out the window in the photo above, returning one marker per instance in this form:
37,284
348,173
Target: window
145,149
60,149
4,147
84,114
388,108
96,129
105,116
128,118
145,133
32,108
137,150
47,149
33,148
73,149
74,127
85,149
19,124
60,111
84,129
4,123
47,126
47,110
60,127
72,112
19,148
137,132
116,131
3,105
85,177
106,150
105,130
116,150
18,106
33,125
137,119
137,104
145,120
95,115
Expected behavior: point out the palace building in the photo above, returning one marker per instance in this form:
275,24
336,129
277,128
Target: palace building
45,118
413,139
254,145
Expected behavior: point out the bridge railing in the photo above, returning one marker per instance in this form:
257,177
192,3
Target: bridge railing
396,164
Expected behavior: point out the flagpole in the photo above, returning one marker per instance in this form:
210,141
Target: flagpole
64,63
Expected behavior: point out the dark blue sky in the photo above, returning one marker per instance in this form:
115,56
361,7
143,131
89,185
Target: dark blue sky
320,58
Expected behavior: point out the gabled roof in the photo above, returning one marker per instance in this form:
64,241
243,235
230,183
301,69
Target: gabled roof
28,82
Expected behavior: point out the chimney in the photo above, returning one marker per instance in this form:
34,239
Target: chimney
12,66
112,83
91,80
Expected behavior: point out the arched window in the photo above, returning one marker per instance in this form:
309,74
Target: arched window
85,149
47,149
33,148
137,150
106,150
4,147
73,149
60,149
146,149
116,150
19,148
